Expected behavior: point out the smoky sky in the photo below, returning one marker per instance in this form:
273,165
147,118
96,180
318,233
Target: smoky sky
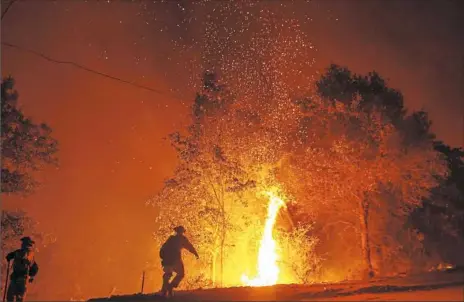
113,151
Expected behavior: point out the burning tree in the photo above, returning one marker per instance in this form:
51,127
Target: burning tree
207,183
301,259
353,155
227,160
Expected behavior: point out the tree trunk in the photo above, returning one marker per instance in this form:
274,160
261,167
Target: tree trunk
223,235
213,268
365,244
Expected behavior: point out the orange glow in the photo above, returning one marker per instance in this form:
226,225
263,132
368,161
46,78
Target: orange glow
268,270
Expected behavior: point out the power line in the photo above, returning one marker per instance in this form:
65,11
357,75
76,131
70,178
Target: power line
50,59
7,8
76,65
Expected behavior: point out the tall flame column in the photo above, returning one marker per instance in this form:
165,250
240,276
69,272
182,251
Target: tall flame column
268,271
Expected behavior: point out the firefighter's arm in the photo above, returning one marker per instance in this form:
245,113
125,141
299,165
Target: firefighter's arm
189,247
10,256
33,271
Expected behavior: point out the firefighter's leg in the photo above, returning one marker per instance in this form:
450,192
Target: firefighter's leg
16,290
21,289
179,270
166,277
11,293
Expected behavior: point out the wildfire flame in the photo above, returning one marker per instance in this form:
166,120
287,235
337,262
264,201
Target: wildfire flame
268,270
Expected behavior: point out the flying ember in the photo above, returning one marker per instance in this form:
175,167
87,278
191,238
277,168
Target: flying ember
268,270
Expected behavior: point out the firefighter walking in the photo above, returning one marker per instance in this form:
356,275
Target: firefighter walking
171,259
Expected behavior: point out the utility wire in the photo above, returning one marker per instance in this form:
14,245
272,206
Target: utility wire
76,65
81,67
7,8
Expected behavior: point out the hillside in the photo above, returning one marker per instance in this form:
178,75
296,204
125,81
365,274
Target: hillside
434,286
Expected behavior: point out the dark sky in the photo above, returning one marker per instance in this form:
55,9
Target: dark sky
112,152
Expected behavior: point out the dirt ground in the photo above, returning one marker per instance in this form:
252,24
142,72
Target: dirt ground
437,286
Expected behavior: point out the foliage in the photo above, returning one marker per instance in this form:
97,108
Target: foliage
298,254
14,226
441,217
410,167
340,84
348,158
25,146
207,183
